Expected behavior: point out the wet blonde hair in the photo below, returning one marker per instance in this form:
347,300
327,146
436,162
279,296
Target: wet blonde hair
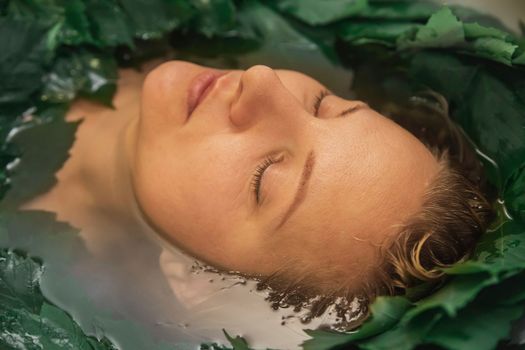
442,233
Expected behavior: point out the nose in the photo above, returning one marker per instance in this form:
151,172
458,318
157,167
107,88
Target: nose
262,99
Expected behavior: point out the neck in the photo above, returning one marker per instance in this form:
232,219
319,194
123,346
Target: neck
108,171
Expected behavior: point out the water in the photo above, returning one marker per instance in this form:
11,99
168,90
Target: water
139,291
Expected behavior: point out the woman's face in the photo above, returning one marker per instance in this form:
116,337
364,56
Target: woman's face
264,169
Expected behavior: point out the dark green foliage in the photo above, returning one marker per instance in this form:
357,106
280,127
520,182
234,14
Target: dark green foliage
108,22
44,149
52,51
80,72
23,59
27,320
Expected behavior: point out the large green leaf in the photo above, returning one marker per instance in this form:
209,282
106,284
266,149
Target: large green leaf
485,100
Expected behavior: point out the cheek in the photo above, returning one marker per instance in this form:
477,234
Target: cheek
190,192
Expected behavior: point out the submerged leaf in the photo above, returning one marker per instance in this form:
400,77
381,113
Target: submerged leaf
238,342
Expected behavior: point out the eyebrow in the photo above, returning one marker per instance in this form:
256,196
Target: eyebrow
353,109
300,194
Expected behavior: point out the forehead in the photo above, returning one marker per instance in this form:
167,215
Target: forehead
370,176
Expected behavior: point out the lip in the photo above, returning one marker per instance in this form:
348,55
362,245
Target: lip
200,87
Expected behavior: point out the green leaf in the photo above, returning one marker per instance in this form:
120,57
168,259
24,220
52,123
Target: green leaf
27,320
404,336
19,278
385,313
44,150
76,29
23,57
483,323
452,297
377,32
214,17
83,72
315,12
152,18
238,342
520,59
443,29
399,10
484,100
67,16
109,24
494,49
475,31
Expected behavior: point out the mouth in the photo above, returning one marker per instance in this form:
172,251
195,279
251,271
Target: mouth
200,87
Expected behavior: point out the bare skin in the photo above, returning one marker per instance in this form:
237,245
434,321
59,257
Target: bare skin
193,178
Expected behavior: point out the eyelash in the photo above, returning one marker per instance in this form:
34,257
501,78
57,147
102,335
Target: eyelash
318,99
259,171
